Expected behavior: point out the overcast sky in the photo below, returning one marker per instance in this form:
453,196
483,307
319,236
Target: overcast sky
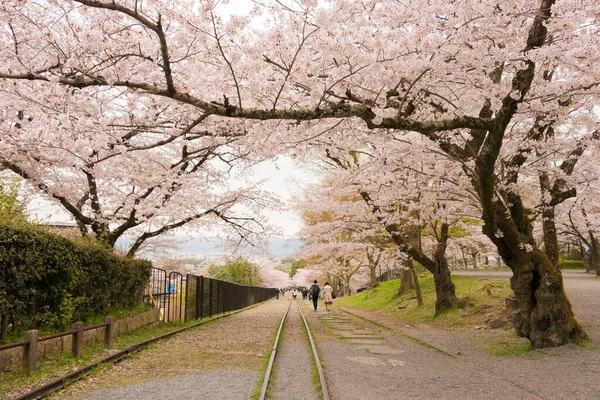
286,179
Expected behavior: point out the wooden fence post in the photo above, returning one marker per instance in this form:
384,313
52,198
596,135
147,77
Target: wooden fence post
30,352
77,342
109,331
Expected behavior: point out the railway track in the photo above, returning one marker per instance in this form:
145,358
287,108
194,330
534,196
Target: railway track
324,394
59,383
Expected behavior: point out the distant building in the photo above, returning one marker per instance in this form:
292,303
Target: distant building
69,229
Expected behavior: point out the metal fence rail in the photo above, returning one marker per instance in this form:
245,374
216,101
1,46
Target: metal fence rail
205,297
193,297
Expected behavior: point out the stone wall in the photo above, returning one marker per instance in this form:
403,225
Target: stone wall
10,360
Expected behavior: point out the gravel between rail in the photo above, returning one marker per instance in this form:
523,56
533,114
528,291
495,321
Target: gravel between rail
293,369
220,360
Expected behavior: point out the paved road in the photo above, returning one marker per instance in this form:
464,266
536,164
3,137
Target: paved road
583,290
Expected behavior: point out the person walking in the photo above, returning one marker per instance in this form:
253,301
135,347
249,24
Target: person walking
327,298
314,293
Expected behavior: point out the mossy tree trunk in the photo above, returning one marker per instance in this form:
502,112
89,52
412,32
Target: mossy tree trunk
550,235
438,265
543,312
407,281
444,287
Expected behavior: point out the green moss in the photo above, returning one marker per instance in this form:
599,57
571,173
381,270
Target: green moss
509,348
588,346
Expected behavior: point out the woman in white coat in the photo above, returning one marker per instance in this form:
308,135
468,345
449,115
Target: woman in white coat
327,298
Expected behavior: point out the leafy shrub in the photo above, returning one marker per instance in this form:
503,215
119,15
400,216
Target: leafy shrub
238,271
571,264
48,281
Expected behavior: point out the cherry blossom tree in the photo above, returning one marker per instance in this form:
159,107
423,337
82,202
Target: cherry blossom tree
379,204
464,75
580,216
128,177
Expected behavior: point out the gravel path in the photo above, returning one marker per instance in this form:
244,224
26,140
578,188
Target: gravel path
567,372
293,368
220,360
207,385
364,362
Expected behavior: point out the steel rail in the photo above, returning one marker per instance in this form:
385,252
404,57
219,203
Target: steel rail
315,354
316,357
59,383
263,390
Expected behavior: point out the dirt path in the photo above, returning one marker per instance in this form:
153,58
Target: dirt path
366,362
221,360
559,373
293,368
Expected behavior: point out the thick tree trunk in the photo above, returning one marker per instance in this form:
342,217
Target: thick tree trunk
444,287
406,279
544,314
586,256
550,235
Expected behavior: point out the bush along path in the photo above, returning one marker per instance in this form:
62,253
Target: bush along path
221,359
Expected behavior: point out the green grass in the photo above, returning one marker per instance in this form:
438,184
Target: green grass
478,304
589,346
508,347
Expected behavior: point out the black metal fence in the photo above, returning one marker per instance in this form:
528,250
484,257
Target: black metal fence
194,297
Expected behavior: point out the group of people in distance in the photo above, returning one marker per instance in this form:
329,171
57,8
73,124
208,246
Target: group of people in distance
313,293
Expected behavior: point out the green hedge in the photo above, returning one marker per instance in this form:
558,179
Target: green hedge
48,281
571,264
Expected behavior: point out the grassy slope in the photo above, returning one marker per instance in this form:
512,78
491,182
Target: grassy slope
480,306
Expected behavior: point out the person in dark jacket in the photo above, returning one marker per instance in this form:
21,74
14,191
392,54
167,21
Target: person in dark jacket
314,293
